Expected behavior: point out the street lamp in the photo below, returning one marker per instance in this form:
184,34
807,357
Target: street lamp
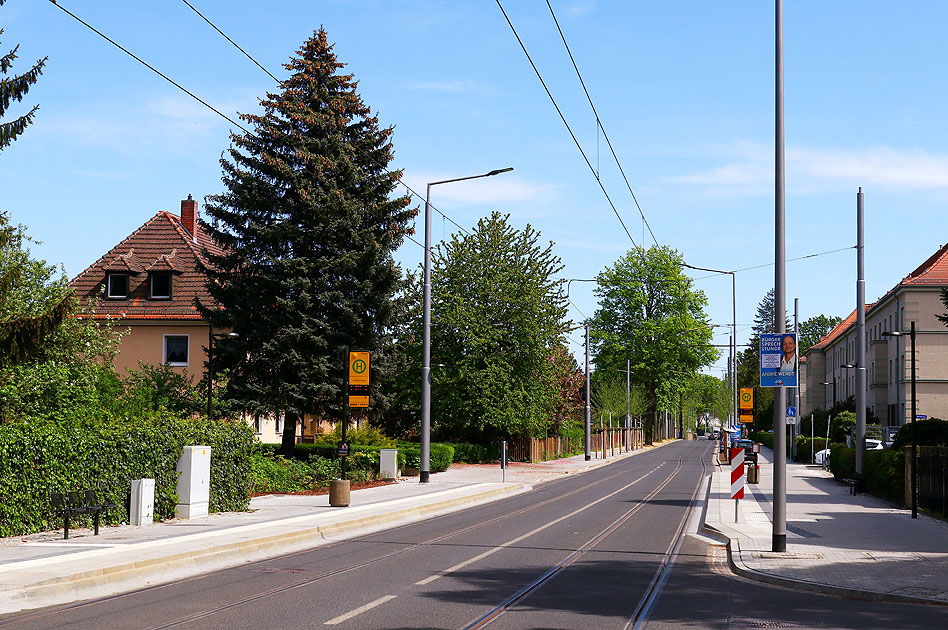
733,349
833,383
425,471
211,335
912,469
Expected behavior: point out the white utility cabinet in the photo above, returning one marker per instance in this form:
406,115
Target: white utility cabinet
194,482
388,463
142,508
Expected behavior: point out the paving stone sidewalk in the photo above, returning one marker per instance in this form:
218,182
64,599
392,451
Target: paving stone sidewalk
851,545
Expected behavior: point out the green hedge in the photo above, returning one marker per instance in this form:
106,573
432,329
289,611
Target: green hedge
804,448
38,457
409,454
467,453
883,472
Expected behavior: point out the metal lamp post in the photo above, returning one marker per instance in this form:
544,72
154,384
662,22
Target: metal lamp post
211,335
733,348
914,453
833,383
425,471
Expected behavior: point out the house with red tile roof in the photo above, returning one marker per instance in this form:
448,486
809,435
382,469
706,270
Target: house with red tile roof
148,284
917,297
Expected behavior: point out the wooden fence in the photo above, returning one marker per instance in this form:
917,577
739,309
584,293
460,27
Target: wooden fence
616,441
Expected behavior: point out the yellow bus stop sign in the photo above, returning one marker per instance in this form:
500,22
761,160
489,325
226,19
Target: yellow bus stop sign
359,368
747,398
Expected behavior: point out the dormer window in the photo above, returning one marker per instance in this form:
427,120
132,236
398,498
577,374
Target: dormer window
116,286
160,285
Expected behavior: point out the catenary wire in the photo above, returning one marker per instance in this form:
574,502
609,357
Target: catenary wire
224,35
214,109
832,251
599,122
568,128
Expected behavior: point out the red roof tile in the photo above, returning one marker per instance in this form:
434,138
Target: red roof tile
161,244
932,271
838,330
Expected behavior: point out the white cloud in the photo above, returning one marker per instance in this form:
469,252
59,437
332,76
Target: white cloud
751,171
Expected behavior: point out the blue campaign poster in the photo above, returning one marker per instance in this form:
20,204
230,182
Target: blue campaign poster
778,360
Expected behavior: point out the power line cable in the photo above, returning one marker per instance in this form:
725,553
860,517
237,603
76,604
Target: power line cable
599,122
224,35
832,251
218,112
147,65
563,118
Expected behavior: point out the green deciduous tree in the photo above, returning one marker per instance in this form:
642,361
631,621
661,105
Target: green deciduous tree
309,226
943,318
814,329
498,318
650,314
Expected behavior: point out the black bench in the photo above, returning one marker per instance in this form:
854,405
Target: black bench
852,483
75,504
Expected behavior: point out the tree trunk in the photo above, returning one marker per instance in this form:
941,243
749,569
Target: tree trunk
681,417
288,445
651,418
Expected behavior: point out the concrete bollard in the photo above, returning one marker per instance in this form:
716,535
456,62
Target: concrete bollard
339,493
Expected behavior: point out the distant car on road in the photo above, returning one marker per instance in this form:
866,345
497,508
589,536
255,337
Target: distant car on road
874,445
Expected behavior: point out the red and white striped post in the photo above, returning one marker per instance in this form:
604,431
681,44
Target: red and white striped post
737,476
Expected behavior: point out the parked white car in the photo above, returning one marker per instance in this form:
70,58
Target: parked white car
874,445
822,458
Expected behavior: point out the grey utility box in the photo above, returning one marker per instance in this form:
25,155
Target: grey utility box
388,463
142,507
194,482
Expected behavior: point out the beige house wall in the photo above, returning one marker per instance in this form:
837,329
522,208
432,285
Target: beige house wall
888,360
145,342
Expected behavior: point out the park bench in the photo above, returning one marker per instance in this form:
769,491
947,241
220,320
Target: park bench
72,504
851,483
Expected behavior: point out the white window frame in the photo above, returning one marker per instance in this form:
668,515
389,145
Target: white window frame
108,286
151,285
164,350
278,422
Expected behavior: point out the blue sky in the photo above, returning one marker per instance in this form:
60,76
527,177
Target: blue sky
684,90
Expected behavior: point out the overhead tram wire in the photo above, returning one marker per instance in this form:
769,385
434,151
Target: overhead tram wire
599,122
147,65
217,111
224,35
568,128
832,251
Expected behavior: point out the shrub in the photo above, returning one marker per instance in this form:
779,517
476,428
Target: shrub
41,456
467,453
930,432
277,474
804,447
440,458
363,436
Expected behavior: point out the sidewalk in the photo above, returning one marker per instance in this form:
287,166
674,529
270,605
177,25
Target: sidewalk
855,546
43,569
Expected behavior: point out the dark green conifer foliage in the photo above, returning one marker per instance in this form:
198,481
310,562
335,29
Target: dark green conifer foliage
14,89
309,225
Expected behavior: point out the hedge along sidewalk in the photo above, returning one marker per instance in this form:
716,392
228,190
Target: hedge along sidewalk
855,546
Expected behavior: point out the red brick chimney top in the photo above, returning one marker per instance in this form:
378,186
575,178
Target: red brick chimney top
189,216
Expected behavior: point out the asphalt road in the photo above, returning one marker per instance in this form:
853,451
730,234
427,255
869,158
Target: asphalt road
586,551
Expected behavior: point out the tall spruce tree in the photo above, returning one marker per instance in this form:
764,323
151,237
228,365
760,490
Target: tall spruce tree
308,225
14,89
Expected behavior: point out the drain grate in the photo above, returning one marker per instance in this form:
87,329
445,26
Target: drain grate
762,623
277,570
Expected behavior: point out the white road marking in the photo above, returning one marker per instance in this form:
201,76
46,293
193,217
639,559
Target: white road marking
359,610
461,565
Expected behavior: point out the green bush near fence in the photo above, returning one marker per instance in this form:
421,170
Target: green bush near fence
467,453
367,457
806,448
883,472
38,457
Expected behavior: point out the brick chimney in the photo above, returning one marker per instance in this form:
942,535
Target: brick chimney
189,216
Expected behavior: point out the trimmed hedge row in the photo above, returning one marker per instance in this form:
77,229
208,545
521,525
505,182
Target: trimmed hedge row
39,457
882,471
409,453
467,453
